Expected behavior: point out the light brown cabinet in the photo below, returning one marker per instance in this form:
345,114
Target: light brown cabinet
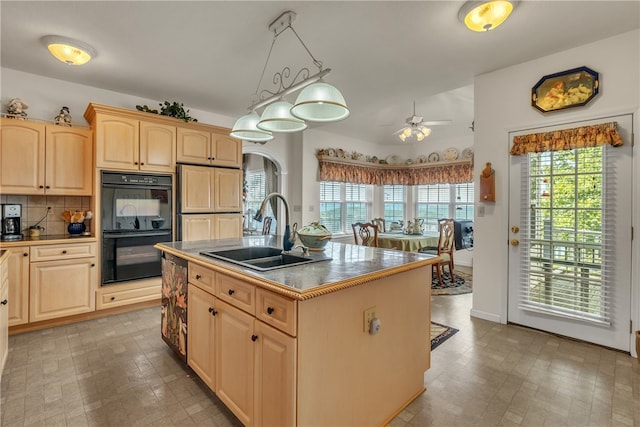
208,148
38,159
63,280
201,340
129,144
18,268
206,189
210,226
4,312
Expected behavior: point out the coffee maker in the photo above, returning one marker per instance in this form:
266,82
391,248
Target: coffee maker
11,227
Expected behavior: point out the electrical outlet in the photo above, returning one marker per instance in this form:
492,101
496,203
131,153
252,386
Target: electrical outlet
369,315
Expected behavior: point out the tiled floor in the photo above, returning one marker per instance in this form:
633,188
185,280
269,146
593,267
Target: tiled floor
117,371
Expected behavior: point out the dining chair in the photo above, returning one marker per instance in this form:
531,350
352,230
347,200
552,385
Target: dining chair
382,228
445,248
266,225
365,234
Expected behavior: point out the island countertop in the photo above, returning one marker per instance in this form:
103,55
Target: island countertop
350,265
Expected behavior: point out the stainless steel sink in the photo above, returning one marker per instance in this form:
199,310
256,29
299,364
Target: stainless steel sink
262,258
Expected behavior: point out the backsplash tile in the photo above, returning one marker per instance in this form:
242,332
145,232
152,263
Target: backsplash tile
34,209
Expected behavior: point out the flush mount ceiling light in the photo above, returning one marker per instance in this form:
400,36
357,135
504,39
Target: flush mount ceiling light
69,51
485,15
318,101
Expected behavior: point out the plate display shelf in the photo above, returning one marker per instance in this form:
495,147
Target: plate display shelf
377,165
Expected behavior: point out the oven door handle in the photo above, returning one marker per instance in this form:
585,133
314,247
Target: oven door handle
108,235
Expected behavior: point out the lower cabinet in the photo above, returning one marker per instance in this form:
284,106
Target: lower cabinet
4,311
250,365
18,267
62,280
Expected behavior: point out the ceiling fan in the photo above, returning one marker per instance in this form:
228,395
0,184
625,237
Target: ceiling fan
417,128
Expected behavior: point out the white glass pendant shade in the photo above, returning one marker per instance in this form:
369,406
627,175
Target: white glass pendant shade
320,102
485,15
246,128
277,118
69,51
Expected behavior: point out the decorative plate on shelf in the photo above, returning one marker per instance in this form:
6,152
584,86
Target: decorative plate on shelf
450,154
394,159
331,152
433,157
467,153
421,159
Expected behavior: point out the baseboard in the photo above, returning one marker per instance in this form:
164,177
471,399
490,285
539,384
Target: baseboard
486,316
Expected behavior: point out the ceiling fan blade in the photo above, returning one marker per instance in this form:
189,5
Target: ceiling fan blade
399,131
436,122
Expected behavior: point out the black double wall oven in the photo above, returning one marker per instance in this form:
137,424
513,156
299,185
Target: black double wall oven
135,215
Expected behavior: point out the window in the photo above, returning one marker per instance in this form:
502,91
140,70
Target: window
394,201
256,192
342,204
437,201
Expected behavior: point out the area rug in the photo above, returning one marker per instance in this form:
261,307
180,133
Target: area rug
440,333
462,284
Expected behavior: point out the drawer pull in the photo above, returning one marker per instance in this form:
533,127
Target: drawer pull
270,310
231,292
198,277
212,311
4,302
113,298
254,338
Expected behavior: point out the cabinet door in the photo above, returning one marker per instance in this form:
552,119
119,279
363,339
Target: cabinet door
193,146
62,288
157,147
117,143
197,227
196,186
235,351
201,343
226,151
4,314
227,190
69,161
21,157
227,226
18,266
275,377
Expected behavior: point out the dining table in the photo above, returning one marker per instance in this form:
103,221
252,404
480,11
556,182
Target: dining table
408,242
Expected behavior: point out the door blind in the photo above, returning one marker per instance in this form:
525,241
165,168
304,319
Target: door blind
567,233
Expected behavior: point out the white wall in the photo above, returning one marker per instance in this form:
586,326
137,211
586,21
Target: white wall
501,105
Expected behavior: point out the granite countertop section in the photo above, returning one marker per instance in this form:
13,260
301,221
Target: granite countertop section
45,240
350,265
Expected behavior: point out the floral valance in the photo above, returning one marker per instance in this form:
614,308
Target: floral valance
453,173
567,139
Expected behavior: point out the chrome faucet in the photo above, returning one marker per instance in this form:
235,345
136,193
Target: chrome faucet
288,239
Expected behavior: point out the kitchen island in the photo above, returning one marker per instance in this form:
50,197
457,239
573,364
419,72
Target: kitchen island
294,346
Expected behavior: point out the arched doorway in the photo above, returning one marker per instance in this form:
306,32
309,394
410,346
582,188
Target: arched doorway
261,175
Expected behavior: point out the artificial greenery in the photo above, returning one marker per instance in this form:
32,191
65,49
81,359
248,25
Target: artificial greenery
169,109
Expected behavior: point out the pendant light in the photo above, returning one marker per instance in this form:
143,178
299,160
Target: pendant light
320,102
69,51
485,15
246,128
277,118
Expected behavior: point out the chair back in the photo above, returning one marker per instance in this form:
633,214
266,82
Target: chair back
446,239
365,234
380,223
266,225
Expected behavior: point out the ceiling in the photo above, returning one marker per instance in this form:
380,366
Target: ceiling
383,55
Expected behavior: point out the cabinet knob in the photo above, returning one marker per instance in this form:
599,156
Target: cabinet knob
254,338
47,187
93,265
198,277
141,163
40,186
25,254
212,311
135,163
270,310
64,251
4,302
113,298
231,292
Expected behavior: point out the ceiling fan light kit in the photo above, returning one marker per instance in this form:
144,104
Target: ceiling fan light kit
485,15
417,128
68,50
318,101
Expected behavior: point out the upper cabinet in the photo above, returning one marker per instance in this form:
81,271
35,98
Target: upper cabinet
38,159
208,148
134,145
137,141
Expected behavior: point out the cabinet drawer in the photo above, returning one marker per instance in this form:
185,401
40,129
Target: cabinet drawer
203,277
236,292
277,311
128,293
64,251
